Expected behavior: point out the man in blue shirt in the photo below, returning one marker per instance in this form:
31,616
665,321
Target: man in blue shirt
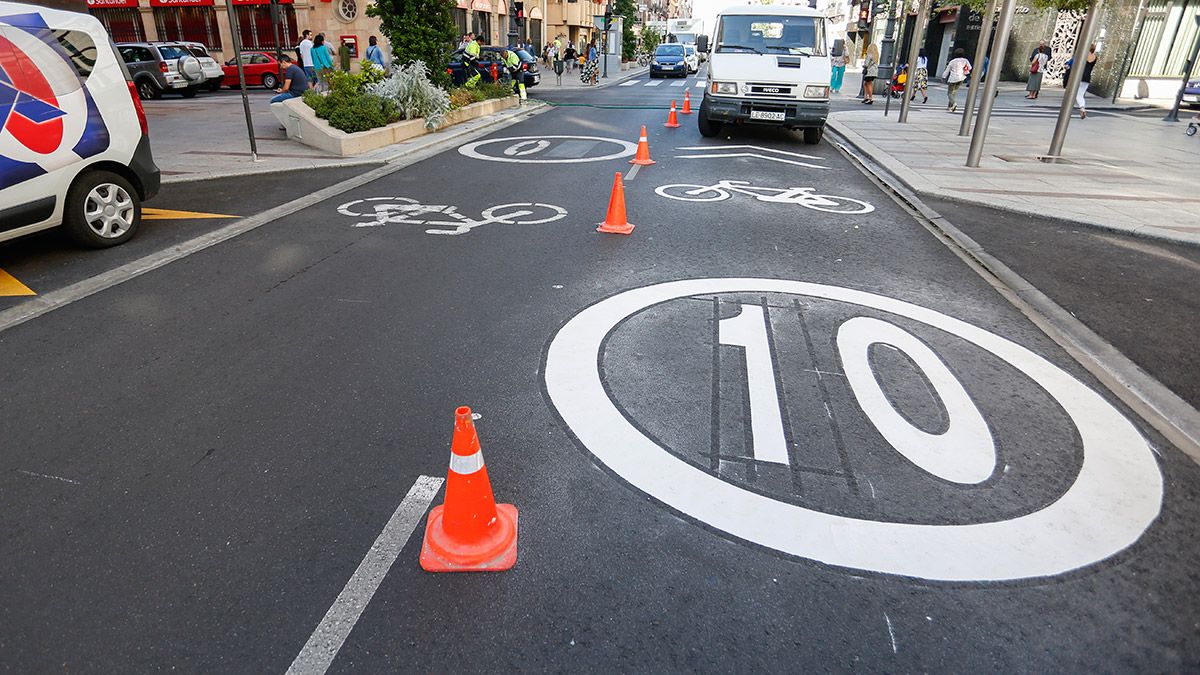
295,82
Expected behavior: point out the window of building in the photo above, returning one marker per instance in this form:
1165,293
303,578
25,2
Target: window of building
188,24
1167,36
258,33
460,20
482,26
124,24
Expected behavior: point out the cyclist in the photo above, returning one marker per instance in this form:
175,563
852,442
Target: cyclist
512,63
471,62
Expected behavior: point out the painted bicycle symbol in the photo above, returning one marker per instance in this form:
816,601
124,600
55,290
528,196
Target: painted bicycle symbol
445,218
800,196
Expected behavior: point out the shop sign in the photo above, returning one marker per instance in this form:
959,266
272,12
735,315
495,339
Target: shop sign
181,3
111,3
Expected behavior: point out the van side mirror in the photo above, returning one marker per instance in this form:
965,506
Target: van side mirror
702,44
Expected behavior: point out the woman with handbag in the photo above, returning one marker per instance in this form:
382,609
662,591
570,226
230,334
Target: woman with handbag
870,72
1037,66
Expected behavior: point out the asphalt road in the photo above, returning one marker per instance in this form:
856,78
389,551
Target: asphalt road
836,448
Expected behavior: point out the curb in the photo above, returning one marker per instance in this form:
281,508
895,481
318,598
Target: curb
1160,407
393,154
904,175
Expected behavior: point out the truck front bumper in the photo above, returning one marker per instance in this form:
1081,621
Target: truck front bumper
795,113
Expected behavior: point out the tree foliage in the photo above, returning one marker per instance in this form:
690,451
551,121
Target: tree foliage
419,30
628,10
650,39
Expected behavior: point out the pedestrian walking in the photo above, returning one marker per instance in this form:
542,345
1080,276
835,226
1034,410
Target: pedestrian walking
304,51
838,61
955,74
921,78
322,58
1037,68
295,81
571,57
1089,62
471,62
591,69
870,72
374,54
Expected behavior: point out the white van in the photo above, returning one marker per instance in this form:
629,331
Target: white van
768,64
74,147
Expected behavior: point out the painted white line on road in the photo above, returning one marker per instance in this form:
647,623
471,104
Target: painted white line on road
628,84
698,85
47,476
318,653
653,83
632,172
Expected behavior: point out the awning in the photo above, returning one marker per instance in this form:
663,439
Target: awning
464,4
481,5
260,2
535,13
111,3
181,3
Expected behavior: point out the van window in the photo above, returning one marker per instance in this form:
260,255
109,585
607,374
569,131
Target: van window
172,52
135,54
794,35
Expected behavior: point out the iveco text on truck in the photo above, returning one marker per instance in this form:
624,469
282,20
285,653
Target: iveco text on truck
767,65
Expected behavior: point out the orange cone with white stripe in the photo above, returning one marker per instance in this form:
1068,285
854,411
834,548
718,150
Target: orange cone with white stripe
687,103
672,120
643,151
615,221
470,532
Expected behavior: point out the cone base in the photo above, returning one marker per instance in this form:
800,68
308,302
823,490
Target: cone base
685,112
671,126
627,228
642,162
497,553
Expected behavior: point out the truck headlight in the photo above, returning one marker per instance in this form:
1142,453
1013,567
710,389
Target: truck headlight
812,91
724,88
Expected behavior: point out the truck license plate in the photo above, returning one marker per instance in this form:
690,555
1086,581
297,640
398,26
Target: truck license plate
766,115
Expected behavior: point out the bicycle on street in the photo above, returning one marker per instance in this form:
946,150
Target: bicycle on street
800,196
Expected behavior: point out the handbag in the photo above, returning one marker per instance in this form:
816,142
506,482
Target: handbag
1036,66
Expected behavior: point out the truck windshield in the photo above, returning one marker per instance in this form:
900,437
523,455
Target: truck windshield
795,35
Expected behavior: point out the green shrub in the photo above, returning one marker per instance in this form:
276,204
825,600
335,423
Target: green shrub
462,96
353,83
414,95
360,113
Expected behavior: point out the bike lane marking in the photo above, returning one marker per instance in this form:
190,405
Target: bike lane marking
797,196
323,645
1116,495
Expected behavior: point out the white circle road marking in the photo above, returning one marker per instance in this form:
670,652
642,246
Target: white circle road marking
1115,497
472,149
558,213
522,148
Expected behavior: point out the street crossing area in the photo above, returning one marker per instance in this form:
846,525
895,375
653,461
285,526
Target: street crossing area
686,83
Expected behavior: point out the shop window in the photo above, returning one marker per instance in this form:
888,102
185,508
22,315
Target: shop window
482,26
124,24
258,33
460,20
188,24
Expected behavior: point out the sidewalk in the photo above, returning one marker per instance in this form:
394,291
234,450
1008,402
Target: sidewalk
1121,172
205,137
570,79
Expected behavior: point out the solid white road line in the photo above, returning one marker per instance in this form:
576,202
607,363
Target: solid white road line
698,85
318,653
653,83
679,83
631,173
628,84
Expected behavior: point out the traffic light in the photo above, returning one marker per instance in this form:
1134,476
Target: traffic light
518,11
864,16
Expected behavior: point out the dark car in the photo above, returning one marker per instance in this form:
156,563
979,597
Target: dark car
1191,93
669,59
261,69
162,67
489,56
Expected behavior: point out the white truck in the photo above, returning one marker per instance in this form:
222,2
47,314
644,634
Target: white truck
768,64
685,31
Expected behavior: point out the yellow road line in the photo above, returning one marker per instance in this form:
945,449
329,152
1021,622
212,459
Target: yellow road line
168,214
9,286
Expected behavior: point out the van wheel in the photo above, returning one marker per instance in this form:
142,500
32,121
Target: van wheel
707,127
189,92
102,209
813,135
147,90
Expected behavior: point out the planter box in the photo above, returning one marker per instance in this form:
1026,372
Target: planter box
303,125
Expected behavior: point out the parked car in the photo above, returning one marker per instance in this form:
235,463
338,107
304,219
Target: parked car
261,69
214,75
76,149
494,55
668,60
691,58
161,67
1191,93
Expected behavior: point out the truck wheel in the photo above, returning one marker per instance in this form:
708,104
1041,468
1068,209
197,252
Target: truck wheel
707,127
102,209
813,135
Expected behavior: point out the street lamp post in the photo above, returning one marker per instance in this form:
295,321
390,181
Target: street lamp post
999,48
913,47
1188,67
1073,82
985,33
237,51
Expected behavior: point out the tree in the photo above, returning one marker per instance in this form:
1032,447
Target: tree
628,10
419,30
650,39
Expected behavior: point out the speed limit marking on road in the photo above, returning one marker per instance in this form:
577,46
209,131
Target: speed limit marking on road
548,149
1115,495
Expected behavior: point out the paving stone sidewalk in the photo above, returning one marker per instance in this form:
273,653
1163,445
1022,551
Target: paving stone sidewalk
1132,173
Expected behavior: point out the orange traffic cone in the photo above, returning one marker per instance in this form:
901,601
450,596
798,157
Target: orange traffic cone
469,532
672,120
615,222
687,103
643,151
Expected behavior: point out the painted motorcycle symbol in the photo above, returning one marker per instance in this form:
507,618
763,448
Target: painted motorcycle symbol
445,218
800,196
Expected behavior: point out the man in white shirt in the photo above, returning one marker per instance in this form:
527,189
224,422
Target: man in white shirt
305,48
955,74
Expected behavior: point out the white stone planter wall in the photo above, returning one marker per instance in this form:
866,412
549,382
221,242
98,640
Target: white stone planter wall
303,125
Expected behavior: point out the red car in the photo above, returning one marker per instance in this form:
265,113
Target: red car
261,69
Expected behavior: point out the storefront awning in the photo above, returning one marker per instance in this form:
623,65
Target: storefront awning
181,3
535,13
260,2
111,3
481,5
502,8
